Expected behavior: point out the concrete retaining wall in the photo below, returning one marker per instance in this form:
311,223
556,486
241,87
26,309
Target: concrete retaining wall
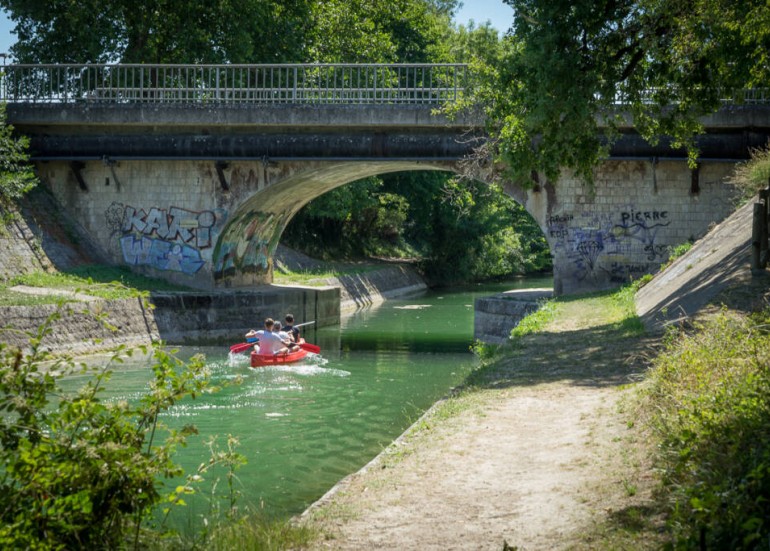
366,289
81,328
497,315
184,317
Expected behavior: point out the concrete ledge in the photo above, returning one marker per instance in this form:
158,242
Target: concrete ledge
185,317
81,328
497,315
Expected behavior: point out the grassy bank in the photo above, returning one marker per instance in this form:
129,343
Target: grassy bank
107,282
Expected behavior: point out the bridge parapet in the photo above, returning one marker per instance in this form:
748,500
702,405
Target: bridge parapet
317,83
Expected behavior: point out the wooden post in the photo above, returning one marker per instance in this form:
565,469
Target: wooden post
756,236
764,197
760,251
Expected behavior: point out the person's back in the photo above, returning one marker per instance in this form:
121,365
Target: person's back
269,342
290,329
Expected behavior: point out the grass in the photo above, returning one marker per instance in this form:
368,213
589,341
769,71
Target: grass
707,402
316,277
255,532
107,282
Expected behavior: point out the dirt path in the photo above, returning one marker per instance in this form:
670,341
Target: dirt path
536,460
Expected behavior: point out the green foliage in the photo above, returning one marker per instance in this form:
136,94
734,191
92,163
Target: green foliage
189,31
16,176
679,250
710,396
565,66
462,231
77,471
257,532
234,31
357,31
754,175
473,231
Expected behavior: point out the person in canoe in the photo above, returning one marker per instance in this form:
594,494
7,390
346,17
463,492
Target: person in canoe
269,342
286,338
288,326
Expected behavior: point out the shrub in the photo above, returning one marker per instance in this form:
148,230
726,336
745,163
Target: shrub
78,472
753,175
710,392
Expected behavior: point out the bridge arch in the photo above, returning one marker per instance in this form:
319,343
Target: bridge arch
245,247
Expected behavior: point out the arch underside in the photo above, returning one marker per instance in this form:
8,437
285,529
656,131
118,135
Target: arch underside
244,251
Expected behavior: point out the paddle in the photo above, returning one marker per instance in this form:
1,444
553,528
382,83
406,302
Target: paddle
242,347
310,347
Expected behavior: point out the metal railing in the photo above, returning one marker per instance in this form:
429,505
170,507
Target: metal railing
407,83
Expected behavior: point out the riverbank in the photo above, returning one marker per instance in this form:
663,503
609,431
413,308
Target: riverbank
535,453
542,449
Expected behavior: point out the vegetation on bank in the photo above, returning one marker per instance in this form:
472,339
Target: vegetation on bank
707,401
107,282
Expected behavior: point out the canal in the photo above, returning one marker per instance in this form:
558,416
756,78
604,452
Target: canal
304,427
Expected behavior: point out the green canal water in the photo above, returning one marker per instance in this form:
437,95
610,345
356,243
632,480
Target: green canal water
306,426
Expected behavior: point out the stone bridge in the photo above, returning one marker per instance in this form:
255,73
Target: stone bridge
191,173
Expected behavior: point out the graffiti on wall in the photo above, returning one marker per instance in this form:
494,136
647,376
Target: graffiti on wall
611,245
643,226
248,243
167,240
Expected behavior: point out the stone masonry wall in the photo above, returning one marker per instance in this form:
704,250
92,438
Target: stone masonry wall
82,328
602,240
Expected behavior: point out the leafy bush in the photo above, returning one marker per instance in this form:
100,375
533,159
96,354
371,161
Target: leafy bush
78,472
16,175
710,392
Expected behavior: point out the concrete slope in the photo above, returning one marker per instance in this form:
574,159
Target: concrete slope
717,262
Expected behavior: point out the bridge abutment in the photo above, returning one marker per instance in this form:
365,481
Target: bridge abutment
626,224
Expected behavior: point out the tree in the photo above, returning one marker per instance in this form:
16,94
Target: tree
16,176
186,31
568,64
368,31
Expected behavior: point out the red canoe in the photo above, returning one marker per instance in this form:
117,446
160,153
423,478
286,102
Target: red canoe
261,360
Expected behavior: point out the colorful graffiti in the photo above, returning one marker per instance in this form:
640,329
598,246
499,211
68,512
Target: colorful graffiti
248,243
168,240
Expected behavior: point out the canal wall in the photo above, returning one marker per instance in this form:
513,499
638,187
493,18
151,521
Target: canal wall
374,287
497,315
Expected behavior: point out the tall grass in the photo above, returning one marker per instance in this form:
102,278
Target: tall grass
709,394
753,175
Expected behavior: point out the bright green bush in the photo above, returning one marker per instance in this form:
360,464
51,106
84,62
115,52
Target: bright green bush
710,392
78,472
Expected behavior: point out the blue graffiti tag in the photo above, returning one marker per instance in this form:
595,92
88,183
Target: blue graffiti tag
159,254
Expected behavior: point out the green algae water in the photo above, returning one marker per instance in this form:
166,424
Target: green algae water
304,427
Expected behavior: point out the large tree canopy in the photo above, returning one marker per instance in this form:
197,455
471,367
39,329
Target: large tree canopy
567,65
228,31
164,31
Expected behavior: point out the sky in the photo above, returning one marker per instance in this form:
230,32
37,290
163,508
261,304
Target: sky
480,11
